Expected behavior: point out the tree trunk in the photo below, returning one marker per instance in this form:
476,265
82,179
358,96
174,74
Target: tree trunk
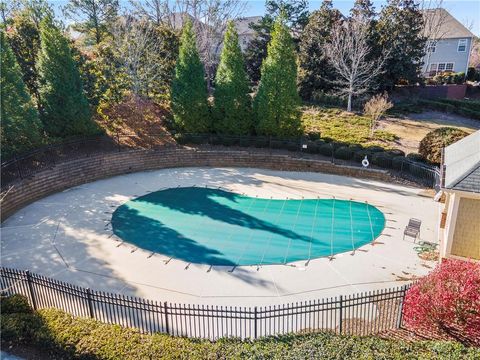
349,105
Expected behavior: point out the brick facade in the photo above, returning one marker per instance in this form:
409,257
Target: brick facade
80,171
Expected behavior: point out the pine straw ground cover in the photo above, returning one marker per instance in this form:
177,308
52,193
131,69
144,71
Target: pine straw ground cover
62,336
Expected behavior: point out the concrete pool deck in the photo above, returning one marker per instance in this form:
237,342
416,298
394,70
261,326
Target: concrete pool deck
68,236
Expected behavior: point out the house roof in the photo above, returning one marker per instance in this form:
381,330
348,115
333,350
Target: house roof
440,24
462,164
242,24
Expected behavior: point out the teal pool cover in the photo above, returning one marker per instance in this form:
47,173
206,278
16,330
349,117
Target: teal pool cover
217,227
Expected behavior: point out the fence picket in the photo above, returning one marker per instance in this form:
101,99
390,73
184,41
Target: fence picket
360,314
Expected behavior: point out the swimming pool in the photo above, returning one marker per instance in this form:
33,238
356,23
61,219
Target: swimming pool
219,227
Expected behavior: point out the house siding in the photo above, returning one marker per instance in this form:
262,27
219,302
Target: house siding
466,237
446,52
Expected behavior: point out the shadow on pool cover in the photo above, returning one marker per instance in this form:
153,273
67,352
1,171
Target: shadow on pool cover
216,227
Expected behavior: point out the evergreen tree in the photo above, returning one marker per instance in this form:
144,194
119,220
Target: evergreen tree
399,27
232,111
24,38
65,110
20,126
189,89
363,9
295,13
276,104
314,71
92,16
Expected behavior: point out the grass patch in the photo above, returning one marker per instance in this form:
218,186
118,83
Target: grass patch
341,126
64,336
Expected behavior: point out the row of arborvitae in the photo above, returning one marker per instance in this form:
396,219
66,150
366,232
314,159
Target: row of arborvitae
275,108
62,110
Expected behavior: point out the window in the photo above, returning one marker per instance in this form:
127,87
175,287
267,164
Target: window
432,46
449,67
433,67
462,45
441,67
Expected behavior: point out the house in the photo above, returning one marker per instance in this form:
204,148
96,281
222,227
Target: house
449,43
245,33
459,233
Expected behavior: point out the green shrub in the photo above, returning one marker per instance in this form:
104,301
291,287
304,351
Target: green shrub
400,163
384,135
473,74
14,304
245,142
313,135
396,152
344,153
323,98
261,142
382,159
326,149
359,155
19,327
432,144
468,108
416,157
278,144
320,142
312,147
180,139
229,141
216,140
338,144
67,337
375,149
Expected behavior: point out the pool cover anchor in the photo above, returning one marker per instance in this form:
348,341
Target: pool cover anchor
167,261
149,256
233,268
210,268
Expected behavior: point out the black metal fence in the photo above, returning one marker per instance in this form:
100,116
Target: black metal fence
46,157
361,314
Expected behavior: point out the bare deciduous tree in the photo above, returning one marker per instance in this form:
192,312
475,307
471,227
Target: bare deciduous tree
138,46
375,108
348,52
209,18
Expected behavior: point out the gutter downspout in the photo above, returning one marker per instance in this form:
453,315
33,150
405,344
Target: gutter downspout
468,58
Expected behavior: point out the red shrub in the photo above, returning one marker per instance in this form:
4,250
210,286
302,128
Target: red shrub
447,300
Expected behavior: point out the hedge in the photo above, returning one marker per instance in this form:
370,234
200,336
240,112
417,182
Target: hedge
64,336
432,144
344,153
465,108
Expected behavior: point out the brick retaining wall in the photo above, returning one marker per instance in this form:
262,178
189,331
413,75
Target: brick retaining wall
81,171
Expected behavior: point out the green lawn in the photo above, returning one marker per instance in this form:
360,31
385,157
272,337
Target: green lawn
342,126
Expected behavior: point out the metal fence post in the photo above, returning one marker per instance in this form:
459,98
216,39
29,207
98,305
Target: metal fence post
118,142
30,289
341,315
19,171
400,307
165,308
90,304
255,317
